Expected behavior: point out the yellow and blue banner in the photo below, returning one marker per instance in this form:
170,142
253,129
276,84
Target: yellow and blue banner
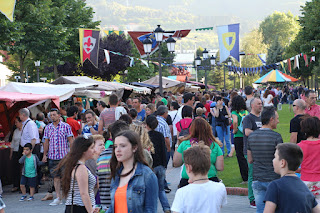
228,36
7,8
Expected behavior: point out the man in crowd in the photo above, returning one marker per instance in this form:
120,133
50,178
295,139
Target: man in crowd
108,115
296,135
251,123
312,108
188,99
29,132
72,114
81,110
101,106
136,103
58,140
248,91
261,148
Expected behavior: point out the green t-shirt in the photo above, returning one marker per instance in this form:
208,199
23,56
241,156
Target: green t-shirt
240,116
215,152
108,143
29,168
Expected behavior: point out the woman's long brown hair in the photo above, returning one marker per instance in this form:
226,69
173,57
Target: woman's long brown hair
201,130
134,139
68,163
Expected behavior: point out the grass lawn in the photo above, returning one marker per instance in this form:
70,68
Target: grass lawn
231,175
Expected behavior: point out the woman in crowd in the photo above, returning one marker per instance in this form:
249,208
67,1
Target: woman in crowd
91,128
150,109
238,111
14,154
131,177
185,123
267,99
310,167
200,131
222,115
77,181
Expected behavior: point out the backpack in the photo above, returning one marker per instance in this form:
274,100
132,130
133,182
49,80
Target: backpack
240,127
185,131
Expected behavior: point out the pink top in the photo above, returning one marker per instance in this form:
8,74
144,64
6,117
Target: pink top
310,167
314,110
184,123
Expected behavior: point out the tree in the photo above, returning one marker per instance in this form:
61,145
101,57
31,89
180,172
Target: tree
275,52
283,26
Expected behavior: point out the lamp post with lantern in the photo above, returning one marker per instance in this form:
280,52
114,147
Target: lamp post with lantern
147,46
229,63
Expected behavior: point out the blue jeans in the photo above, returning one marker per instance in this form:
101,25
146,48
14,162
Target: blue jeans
213,126
259,191
160,173
224,135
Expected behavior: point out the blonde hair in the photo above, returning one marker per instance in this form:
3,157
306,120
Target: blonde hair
144,137
98,137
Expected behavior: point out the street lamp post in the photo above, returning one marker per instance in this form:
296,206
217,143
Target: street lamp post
147,46
37,64
205,55
229,62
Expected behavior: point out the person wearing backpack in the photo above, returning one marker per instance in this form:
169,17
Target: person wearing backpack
238,112
184,124
200,133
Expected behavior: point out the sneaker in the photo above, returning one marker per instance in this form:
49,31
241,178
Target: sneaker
23,198
48,196
55,202
253,204
31,198
167,189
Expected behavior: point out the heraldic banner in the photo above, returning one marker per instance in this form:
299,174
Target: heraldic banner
138,36
228,36
89,45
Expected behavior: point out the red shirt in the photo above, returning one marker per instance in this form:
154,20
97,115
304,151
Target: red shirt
184,123
75,126
207,106
313,110
310,167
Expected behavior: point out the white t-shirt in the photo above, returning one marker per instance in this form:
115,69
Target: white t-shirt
205,198
267,100
175,119
120,110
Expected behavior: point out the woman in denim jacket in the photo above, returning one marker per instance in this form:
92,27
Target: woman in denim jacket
134,186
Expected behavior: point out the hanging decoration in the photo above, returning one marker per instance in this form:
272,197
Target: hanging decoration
89,45
204,29
118,32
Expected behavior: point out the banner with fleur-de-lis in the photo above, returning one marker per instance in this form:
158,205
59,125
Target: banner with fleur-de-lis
89,45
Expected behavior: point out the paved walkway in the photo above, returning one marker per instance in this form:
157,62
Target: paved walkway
235,203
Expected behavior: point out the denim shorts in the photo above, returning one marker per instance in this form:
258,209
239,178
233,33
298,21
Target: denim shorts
52,165
31,182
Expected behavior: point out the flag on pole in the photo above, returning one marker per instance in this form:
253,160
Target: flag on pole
89,45
7,8
138,36
228,36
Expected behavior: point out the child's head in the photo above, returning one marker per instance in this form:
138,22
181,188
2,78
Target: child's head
27,149
152,122
199,111
287,155
197,158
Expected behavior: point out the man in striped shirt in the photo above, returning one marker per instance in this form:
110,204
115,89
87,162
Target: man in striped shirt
58,139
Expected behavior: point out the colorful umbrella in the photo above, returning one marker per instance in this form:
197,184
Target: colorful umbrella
275,76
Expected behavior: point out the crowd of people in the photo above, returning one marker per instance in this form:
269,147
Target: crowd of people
113,157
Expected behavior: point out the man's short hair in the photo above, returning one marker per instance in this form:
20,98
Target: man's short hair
307,93
253,99
40,116
198,157
291,153
28,145
117,127
162,110
72,110
25,112
113,99
186,111
55,110
248,90
152,122
139,100
175,105
159,103
102,103
301,104
267,114
187,97
133,113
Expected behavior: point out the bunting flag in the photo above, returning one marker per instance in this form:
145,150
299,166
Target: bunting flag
131,61
289,64
282,65
305,57
89,45
263,58
313,58
228,37
296,62
107,55
206,28
7,8
118,32
144,62
138,36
